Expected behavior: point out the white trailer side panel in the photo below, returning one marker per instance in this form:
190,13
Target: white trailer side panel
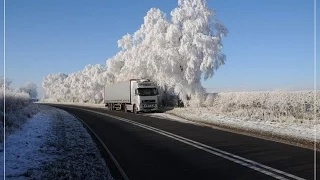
117,93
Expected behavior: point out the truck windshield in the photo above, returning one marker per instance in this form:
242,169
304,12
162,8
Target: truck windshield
147,91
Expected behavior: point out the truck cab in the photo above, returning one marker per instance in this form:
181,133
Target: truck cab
144,96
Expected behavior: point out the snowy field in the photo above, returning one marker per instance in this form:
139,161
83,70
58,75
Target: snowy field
296,131
279,106
288,115
52,145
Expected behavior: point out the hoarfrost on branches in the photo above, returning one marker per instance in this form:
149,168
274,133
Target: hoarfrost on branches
83,86
174,52
30,88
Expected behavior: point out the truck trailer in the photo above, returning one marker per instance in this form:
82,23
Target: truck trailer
135,95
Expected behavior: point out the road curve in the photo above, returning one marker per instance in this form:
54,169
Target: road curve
152,148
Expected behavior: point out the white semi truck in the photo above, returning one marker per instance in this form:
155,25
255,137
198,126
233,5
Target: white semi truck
135,95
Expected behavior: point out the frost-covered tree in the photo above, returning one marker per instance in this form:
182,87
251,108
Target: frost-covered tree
83,86
53,85
15,98
5,83
175,52
30,88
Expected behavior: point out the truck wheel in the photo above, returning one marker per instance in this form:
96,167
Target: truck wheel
125,108
135,109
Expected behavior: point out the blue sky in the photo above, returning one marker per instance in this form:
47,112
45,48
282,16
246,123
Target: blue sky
269,46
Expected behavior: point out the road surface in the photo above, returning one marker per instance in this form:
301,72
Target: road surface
151,148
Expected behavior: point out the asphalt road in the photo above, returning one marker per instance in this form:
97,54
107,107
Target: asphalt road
151,148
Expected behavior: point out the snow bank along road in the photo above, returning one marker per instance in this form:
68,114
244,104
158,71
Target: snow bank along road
151,148
52,145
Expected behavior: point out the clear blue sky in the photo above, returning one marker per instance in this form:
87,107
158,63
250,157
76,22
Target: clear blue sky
269,46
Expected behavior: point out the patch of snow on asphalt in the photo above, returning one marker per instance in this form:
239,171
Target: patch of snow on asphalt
53,145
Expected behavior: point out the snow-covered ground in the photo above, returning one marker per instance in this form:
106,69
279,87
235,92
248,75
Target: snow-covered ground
303,131
52,145
197,117
15,118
